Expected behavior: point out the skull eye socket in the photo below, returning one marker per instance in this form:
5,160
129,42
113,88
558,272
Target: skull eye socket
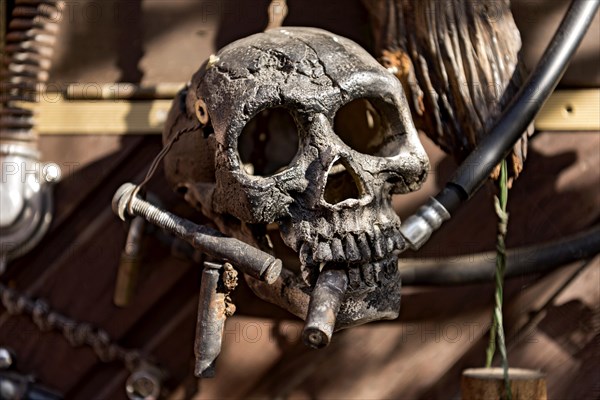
269,142
364,126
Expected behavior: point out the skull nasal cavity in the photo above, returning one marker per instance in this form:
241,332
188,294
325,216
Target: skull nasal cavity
342,184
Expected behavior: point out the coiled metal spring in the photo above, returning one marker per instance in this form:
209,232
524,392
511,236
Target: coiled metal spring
29,46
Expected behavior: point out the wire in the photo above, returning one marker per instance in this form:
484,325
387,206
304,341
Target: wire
477,268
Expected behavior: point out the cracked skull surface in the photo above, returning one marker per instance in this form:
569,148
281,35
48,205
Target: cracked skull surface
301,132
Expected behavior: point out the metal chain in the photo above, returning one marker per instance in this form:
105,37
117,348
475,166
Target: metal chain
76,333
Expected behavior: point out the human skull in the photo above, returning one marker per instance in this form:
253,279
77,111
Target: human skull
303,128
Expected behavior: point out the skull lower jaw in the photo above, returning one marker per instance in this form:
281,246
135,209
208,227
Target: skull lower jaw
368,255
373,293
356,237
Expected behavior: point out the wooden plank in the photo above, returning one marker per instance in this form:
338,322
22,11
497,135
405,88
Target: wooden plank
66,117
565,110
570,110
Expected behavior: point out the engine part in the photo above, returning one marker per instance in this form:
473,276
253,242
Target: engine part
16,386
6,358
418,227
25,199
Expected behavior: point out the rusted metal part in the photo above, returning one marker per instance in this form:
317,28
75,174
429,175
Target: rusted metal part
129,266
214,307
458,62
325,301
246,258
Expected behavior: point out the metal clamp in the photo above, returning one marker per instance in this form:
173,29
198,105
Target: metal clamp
417,228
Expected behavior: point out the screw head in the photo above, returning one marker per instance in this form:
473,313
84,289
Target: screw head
143,384
8,390
6,358
121,199
51,172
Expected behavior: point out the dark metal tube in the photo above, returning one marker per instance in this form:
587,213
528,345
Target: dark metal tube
211,321
325,302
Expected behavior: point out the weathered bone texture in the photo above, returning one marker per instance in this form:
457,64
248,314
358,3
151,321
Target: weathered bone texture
457,61
330,193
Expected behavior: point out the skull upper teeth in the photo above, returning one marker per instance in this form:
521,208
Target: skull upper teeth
359,247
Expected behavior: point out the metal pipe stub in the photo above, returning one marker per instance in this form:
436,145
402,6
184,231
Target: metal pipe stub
325,302
246,258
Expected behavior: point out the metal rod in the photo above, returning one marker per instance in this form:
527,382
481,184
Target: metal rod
325,302
246,258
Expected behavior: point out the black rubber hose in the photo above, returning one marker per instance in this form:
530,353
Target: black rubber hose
470,268
477,167
475,268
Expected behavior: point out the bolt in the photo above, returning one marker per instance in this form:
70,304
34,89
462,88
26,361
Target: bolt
6,358
143,384
52,172
248,259
8,390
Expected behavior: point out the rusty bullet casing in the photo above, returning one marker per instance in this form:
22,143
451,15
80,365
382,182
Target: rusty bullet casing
325,301
129,266
211,321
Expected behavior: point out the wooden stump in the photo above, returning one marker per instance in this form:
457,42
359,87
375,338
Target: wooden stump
488,384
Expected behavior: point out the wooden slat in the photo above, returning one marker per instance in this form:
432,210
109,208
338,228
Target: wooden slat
566,110
570,110
102,117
